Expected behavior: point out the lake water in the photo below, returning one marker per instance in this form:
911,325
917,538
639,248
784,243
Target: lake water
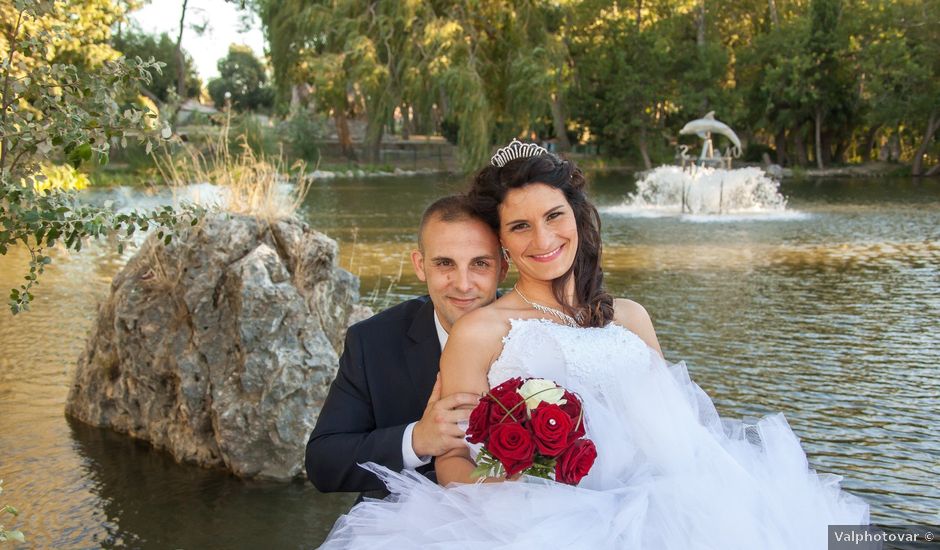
828,314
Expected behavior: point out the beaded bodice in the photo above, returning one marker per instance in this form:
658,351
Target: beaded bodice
581,359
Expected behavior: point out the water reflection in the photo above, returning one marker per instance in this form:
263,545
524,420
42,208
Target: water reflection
148,500
830,319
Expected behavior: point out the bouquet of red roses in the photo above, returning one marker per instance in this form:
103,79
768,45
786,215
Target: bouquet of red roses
533,427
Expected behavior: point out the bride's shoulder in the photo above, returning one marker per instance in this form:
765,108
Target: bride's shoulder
475,340
634,317
628,312
487,323
485,327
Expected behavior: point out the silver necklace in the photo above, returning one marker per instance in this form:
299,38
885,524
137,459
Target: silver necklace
561,315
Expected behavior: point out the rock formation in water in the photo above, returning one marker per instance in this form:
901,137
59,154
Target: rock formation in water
220,347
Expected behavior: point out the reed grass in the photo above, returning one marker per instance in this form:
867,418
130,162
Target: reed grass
250,183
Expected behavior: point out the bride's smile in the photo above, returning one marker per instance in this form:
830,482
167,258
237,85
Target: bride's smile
540,234
547,257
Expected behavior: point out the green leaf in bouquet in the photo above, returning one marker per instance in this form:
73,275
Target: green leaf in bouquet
485,465
542,467
482,470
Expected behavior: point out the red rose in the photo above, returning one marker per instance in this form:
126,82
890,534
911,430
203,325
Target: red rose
512,384
512,445
575,462
573,408
479,425
509,405
551,426
488,411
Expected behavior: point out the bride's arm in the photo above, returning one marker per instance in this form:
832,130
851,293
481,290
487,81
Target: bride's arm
471,347
634,317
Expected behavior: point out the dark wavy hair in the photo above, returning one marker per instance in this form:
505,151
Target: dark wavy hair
594,307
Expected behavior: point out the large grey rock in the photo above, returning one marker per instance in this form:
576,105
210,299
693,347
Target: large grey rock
221,346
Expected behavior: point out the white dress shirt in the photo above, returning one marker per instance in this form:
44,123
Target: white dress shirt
410,459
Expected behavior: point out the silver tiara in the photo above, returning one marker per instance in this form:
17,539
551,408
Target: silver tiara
516,150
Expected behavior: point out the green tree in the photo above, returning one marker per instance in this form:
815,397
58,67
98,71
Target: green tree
798,74
700,62
242,75
924,36
87,44
497,69
57,110
771,75
529,70
833,85
623,82
798,80
134,43
899,67
349,52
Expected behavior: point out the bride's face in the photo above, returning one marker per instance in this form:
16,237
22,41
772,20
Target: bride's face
539,230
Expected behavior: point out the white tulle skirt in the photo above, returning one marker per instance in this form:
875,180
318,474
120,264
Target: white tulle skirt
670,474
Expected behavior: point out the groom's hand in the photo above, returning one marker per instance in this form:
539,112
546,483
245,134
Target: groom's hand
437,432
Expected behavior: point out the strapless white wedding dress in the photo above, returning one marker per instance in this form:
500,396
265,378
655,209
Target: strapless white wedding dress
670,474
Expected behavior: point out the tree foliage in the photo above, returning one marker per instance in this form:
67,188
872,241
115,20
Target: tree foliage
821,81
242,75
898,72
133,43
493,68
623,81
60,102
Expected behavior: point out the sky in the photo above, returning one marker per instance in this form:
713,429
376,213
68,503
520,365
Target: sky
223,28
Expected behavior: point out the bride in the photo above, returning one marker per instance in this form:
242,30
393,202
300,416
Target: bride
669,472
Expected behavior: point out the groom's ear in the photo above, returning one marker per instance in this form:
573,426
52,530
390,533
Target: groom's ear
417,261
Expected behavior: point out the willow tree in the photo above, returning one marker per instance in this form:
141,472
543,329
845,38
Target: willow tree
498,69
503,70
356,55
454,65
541,71
316,43
396,78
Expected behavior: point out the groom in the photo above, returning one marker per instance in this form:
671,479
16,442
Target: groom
385,405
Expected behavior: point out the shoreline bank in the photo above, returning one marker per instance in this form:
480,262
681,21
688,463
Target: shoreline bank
866,170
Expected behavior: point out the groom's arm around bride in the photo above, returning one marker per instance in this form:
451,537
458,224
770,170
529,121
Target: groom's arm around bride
381,407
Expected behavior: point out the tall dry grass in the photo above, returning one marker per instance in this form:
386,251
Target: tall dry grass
248,183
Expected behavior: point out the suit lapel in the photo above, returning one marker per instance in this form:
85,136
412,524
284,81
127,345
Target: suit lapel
423,351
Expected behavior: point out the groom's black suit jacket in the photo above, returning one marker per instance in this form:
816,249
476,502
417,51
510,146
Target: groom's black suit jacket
385,377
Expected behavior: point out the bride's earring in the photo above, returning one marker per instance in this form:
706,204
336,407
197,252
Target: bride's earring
506,256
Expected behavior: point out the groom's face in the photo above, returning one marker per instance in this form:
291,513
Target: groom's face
461,264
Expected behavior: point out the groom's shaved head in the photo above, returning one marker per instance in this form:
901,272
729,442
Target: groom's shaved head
449,209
